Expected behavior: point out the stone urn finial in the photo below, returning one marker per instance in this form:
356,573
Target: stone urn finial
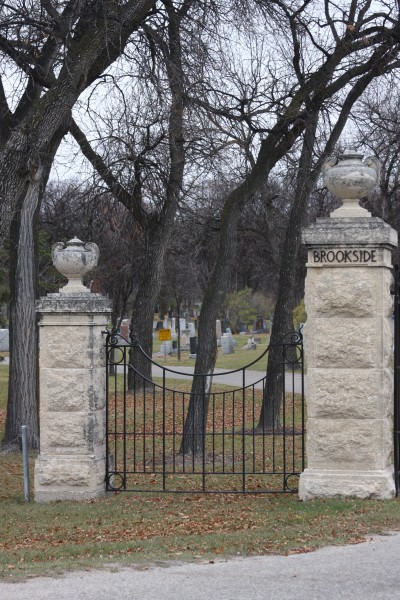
74,259
349,178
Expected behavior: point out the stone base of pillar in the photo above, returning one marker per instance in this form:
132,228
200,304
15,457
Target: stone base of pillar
69,478
359,484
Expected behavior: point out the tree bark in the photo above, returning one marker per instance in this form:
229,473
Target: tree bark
286,300
23,385
141,327
195,422
22,406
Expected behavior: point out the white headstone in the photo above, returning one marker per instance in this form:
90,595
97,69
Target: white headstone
165,347
173,327
227,344
4,340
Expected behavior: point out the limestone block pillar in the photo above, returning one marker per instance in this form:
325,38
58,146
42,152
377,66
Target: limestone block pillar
348,348
72,460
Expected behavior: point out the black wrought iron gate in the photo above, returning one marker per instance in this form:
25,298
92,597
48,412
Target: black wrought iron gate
147,420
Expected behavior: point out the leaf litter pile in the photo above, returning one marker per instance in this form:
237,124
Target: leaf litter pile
146,431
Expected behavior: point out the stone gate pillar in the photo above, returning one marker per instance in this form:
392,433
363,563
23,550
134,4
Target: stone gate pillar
71,464
349,343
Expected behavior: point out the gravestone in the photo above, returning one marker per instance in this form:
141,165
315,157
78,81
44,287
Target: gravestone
184,340
166,347
218,329
4,340
227,343
193,346
125,323
251,344
173,327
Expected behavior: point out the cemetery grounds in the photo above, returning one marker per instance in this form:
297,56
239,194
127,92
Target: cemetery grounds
143,529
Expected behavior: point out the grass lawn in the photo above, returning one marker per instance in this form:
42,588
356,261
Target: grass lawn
144,528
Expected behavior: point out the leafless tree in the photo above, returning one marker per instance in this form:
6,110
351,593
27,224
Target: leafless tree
51,52
143,160
323,55
376,131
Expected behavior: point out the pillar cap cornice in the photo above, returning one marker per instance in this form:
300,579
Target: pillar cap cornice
74,303
350,231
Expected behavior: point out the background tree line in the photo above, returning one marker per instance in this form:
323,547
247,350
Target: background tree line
204,125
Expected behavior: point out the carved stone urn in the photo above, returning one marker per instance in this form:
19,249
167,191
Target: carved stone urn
350,178
73,260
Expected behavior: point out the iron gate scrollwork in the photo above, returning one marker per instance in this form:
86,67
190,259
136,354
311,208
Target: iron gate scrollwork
145,425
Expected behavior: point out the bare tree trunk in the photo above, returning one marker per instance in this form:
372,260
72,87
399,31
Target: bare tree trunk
141,327
272,149
195,422
159,227
22,407
22,404
286,300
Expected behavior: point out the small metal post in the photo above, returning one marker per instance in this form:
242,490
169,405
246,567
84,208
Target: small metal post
25,458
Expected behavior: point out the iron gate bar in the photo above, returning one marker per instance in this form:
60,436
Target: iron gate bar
140,430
